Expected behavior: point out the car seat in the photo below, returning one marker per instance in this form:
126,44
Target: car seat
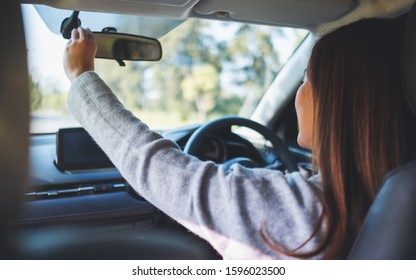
14,119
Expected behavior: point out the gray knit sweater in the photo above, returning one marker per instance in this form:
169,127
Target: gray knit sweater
227,208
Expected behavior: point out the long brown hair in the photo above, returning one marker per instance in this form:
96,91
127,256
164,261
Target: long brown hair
363,124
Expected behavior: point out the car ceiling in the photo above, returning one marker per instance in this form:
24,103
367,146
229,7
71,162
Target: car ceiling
309,14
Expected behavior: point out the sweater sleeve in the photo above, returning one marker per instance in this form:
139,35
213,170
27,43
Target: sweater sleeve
227,208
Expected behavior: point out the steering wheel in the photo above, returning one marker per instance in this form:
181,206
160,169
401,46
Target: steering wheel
280,149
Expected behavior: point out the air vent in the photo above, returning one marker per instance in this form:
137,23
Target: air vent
79,190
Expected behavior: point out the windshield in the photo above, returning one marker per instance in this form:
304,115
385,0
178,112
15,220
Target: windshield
208,69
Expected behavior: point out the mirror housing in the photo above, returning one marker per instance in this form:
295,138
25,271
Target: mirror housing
120,46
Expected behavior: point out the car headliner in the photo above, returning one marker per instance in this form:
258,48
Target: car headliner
311,14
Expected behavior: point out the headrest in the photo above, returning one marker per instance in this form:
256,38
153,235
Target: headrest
409,59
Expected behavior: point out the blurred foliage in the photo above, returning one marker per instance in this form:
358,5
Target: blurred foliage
201,88
46,97
35,94
199,77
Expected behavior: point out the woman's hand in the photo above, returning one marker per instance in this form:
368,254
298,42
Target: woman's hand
79,53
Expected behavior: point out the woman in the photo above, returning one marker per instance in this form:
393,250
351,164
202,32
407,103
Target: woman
351,113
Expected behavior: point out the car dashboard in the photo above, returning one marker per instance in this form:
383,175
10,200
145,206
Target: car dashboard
101,201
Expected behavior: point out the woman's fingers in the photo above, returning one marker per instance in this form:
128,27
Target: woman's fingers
89,34
74,34
82,33
80,53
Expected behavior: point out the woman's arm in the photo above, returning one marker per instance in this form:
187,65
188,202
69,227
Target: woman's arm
226,208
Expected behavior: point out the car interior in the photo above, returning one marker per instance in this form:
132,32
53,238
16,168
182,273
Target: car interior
61,198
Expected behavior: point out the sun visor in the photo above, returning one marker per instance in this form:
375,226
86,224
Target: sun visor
130,24
299,13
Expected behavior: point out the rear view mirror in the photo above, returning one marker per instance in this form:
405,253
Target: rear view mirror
119,46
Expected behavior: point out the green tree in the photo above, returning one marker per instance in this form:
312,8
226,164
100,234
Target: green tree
127,81
201,87
35,94
184,51
46,96
253,55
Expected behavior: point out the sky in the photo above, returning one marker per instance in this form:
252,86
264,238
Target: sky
43,57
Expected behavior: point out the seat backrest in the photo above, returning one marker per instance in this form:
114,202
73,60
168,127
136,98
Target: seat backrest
389,230
14,118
